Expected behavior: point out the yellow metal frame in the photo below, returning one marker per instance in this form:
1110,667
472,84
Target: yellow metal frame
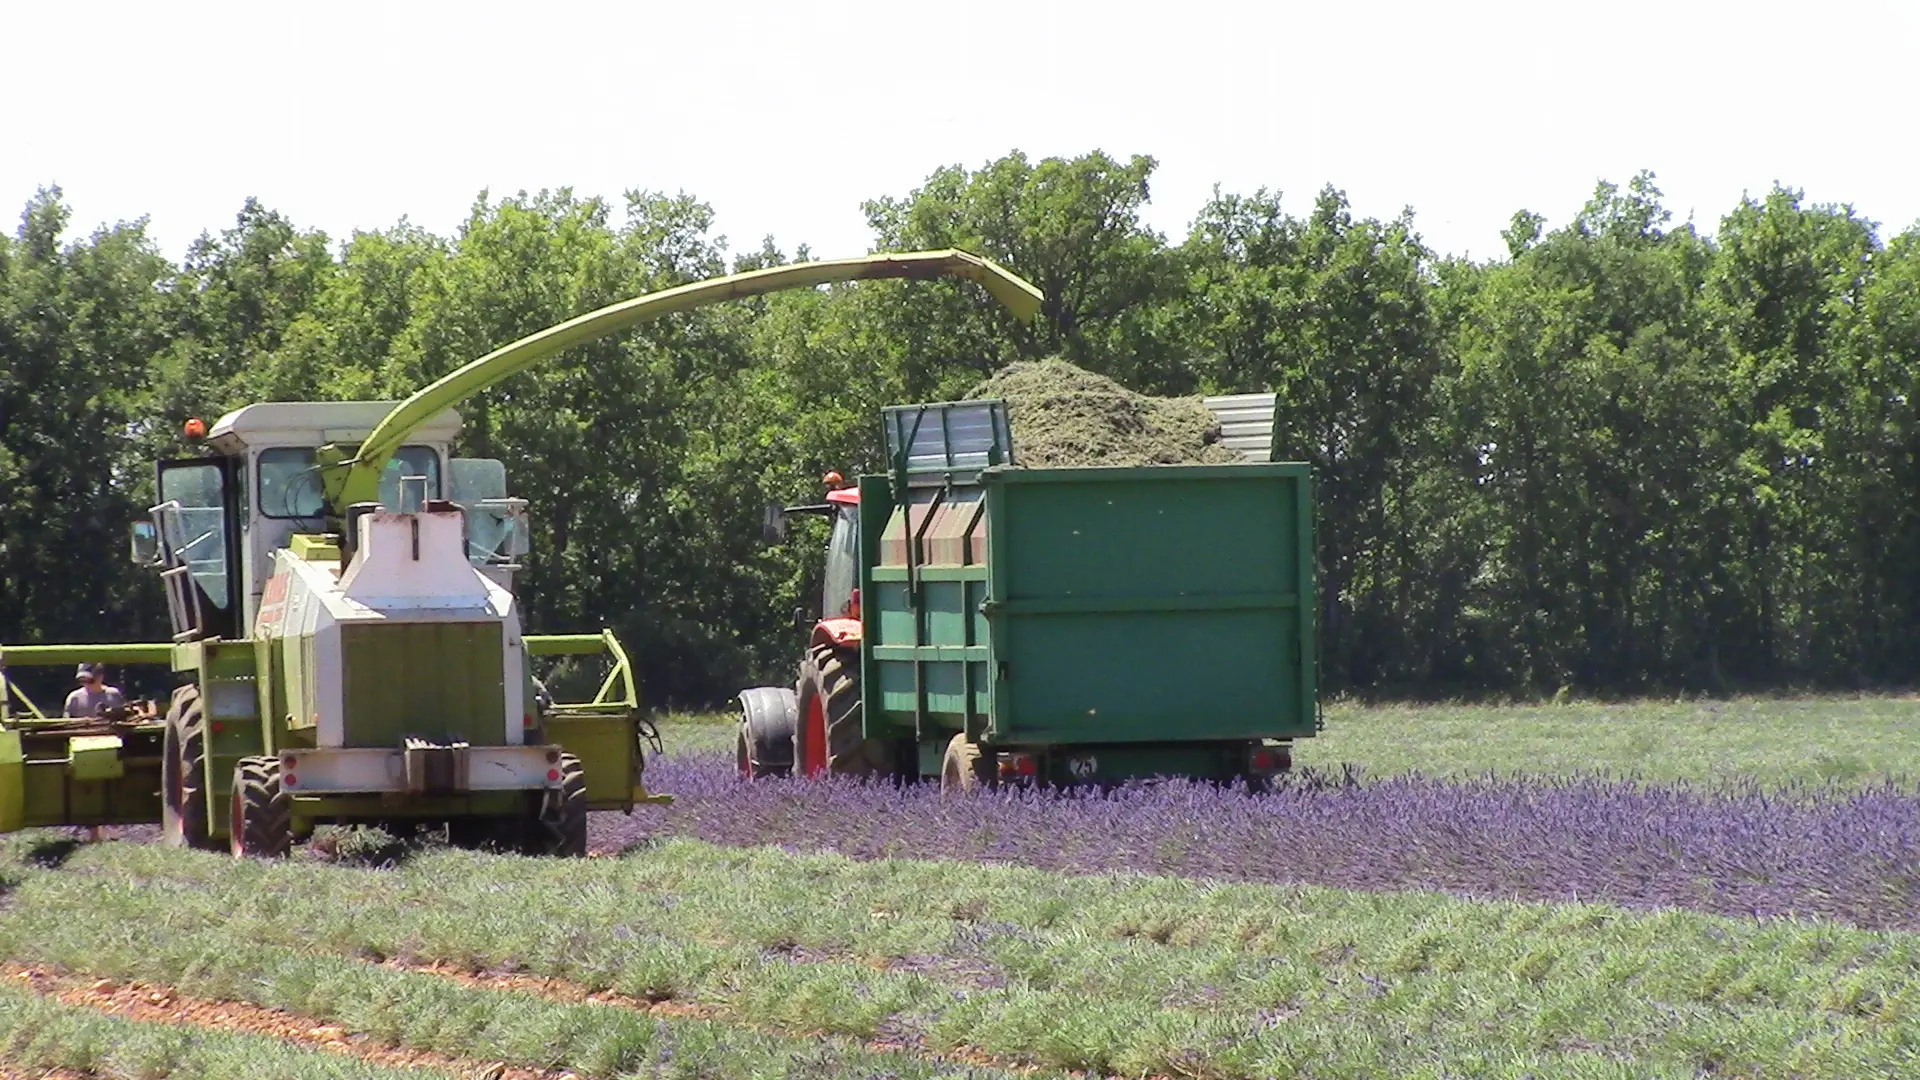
60,656
621,676
618,699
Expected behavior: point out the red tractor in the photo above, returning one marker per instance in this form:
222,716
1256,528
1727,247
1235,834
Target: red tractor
816,727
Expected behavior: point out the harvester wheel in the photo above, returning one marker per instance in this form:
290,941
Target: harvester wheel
561,829
830,736
183,771
963,767
262,823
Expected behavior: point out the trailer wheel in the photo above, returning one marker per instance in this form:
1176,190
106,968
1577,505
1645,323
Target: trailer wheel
183,772
963,767
560,829
262,822
830,736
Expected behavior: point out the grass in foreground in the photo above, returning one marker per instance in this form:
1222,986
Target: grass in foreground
1858,741
436,1015
1124,975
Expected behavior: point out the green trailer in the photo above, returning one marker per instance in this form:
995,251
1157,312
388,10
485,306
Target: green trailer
987,622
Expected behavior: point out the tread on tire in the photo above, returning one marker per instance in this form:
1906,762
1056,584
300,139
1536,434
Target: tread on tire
183,774
963,767
560,825
836,677
262,825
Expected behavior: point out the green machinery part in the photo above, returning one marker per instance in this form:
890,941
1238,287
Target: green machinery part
354,477
74,755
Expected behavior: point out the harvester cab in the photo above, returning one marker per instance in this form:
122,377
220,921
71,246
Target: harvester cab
221,519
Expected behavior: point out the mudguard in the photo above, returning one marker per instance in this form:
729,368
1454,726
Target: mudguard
839,633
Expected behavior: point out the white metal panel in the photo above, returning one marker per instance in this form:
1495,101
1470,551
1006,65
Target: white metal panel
311,595
513,658
373,770
311,423
414,560
1246,422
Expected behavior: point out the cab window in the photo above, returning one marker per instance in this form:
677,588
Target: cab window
289,479
843,565
195,523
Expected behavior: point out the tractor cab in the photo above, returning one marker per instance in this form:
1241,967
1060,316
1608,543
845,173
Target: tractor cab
840,590
220,518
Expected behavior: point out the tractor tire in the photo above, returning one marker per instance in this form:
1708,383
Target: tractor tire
560,826
183,774
963,768
262,814
763,746
830,677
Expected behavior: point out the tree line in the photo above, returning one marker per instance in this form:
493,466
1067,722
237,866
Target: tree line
1627,457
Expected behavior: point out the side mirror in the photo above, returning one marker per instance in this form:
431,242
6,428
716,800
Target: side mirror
773,528
143,543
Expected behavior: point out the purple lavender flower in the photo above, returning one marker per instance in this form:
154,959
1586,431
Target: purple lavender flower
1736,849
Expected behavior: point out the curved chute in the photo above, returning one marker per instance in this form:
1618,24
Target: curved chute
356,479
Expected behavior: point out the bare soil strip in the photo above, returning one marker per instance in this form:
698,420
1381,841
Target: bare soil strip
161,1004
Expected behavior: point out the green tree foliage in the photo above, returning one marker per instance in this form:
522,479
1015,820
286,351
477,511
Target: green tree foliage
1624,457
1072,227
1334,315
80,322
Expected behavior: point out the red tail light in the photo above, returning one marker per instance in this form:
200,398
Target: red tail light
1019,765
1270,759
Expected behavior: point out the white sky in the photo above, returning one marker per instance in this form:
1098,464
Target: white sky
784,116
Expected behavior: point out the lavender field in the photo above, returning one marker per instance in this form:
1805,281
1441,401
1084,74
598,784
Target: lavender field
1529,892
1733,848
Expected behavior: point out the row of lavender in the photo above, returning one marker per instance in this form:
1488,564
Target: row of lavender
1738,850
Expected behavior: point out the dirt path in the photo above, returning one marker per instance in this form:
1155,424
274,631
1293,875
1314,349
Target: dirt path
160,1004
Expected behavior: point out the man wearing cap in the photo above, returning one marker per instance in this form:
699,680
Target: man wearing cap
94,696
